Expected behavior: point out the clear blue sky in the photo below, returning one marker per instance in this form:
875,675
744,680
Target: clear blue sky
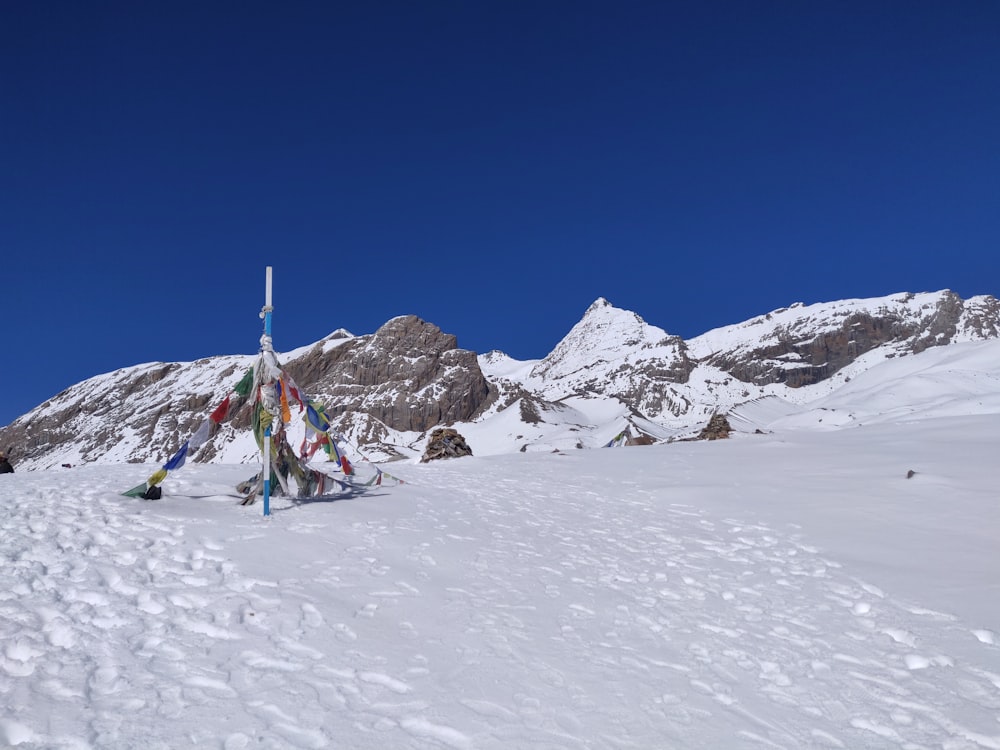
492,167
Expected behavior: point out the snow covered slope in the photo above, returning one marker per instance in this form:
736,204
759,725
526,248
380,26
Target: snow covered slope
801,589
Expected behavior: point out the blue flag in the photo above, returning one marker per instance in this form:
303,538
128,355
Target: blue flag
178,460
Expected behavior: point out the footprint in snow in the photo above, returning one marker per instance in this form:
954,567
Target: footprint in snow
311,616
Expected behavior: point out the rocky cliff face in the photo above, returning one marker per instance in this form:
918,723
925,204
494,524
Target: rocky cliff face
408,376
801,346
389,389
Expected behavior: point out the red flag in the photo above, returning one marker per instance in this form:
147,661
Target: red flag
221,411
294,390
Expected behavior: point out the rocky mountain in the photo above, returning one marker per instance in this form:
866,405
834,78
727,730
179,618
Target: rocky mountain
407,377
614,378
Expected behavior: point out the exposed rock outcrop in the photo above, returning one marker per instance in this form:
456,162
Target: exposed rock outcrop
804,351
445,442
408,375
717,428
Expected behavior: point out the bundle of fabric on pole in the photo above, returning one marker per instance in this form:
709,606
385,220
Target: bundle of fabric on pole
273,396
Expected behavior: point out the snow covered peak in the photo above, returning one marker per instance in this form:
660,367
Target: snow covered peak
597,304
605,351
604,336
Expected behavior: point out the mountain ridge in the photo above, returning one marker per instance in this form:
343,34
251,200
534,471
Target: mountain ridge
612,374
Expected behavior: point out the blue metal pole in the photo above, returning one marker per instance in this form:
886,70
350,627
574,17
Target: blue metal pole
266,312
267,471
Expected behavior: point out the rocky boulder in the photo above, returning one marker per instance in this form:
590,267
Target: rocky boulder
717,428
445,442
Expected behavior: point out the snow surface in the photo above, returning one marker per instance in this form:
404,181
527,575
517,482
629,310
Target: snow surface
793,589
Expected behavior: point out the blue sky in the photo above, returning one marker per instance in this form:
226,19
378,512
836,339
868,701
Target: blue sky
492,167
